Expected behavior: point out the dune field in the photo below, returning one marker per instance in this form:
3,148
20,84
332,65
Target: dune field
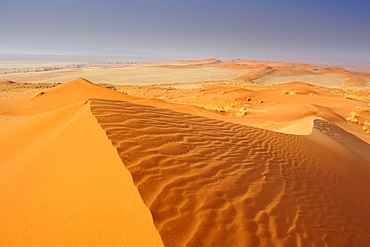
186,153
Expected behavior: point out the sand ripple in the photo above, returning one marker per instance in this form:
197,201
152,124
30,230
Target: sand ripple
214,183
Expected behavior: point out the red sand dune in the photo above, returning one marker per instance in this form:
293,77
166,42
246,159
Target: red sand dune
62,184
81,165
256,71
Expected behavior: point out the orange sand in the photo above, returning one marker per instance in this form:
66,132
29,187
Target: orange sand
62,184
82,165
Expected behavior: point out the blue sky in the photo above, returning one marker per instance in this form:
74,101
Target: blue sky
256,29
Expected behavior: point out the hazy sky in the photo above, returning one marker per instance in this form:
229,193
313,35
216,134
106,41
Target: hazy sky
235,28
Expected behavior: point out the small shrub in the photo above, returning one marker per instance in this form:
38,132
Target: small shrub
352,117
39,94
362,108
242,113
366,126
270,122
164,98
290,93
168,89
354,97
219,108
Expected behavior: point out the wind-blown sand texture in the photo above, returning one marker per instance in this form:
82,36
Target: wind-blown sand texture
82,165
212,183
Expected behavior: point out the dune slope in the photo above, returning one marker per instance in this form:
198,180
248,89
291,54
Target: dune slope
63,184
214,183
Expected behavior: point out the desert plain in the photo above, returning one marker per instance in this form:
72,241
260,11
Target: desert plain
185,153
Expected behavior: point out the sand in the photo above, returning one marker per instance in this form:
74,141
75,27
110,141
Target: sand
83,165
213,183
62,184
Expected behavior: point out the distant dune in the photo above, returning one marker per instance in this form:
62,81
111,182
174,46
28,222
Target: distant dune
191,71
222,164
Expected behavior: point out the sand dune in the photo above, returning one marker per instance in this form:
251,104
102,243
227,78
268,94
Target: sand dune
48,99
78,90
62,184
82,165
289,108
212,183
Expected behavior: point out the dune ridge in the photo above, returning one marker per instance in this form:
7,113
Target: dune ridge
214,183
